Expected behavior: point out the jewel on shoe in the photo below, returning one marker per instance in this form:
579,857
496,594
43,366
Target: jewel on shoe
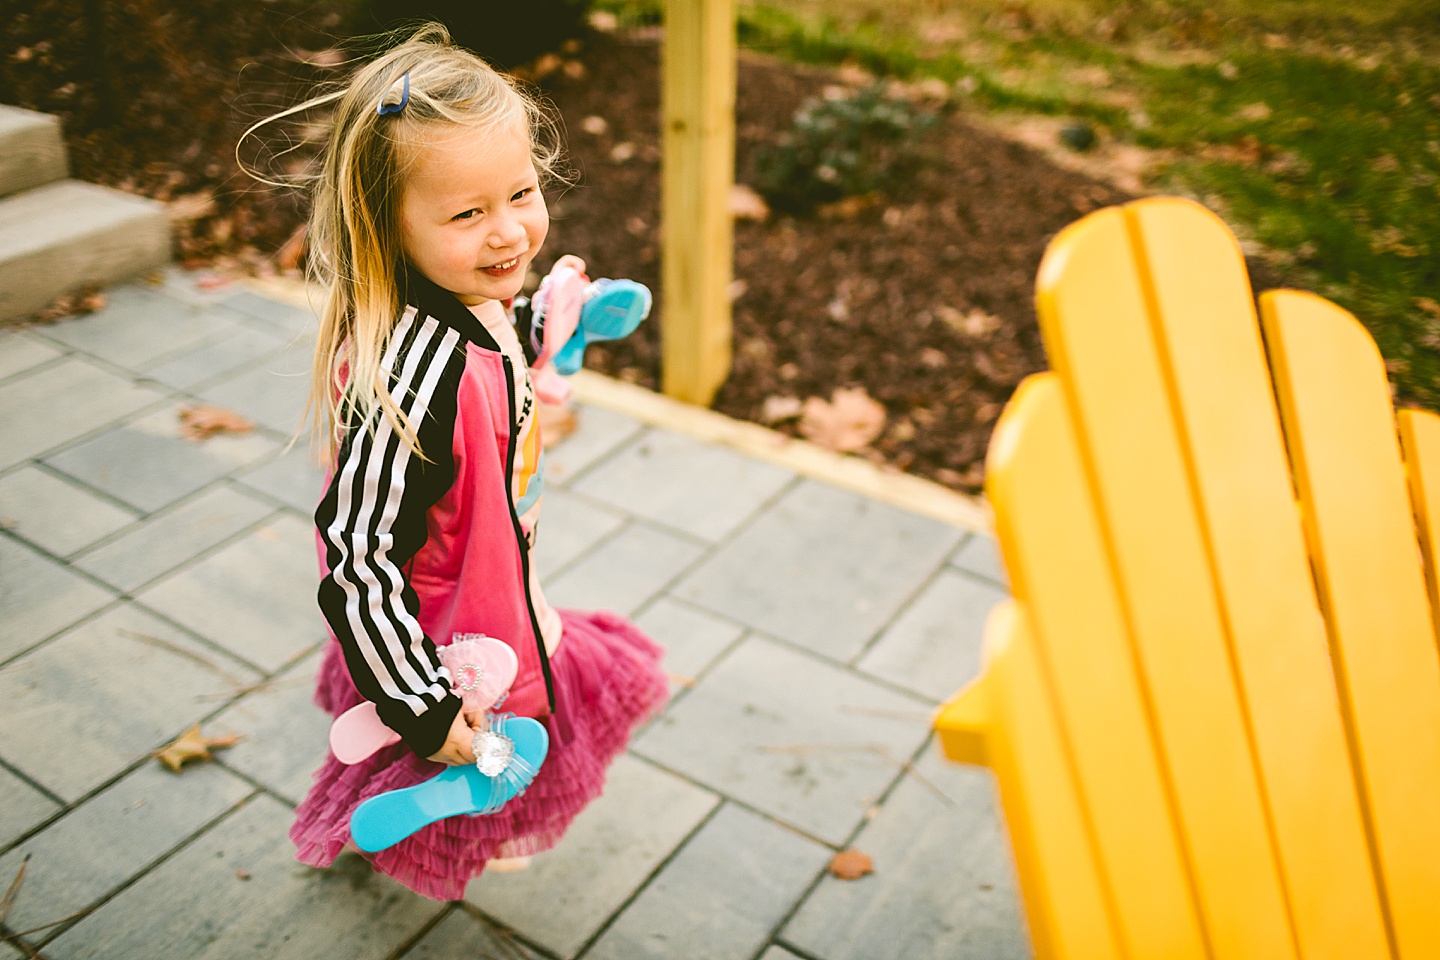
387,818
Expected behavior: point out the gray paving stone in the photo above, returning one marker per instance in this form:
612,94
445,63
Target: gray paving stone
981,556
196,905
57,515
21,806
943,885
624,571
105,694
135,822
692,638
721,896
568,527
39,597
146,463
136,325
702,489
254,597
599,432
615,843
934,646
64,400
778,953
288,320
294,478
790,735
461,935
271,392
285,734
822,568
166,540
229,350
20,352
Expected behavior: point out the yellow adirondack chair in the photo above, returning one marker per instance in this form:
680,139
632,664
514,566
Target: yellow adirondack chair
1213,705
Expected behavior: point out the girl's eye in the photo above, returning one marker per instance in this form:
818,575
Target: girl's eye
522,194
465,216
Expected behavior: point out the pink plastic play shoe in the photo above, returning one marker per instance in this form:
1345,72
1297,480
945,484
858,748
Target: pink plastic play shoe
481,670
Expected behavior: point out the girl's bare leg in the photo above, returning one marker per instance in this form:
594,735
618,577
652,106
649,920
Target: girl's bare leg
508,864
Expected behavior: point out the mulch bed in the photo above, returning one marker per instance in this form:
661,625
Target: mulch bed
923,299
885,299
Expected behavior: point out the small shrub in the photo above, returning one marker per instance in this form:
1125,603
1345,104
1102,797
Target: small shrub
506,34
1078,136
864,143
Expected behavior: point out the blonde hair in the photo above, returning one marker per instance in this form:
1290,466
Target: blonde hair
356,247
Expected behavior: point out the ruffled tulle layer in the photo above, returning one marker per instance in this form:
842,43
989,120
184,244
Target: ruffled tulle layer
607,682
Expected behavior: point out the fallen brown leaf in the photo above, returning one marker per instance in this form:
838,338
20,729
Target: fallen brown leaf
975,323
777,408
847,207
202,422
87,299
192,745
190,206
556,423
210,281
746,204
846,424
321,58
851,864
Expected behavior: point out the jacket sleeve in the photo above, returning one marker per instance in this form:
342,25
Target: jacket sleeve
372,523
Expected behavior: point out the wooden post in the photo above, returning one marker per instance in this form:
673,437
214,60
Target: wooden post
697,171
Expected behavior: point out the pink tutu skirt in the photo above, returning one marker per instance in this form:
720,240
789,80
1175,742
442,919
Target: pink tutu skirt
607,682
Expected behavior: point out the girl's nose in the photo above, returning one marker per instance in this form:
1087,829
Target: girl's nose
509,232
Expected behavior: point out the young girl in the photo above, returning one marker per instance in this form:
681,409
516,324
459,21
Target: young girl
427,215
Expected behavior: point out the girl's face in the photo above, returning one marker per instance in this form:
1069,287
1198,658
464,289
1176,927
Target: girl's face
472,217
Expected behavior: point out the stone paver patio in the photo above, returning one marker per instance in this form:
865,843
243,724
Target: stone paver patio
148,583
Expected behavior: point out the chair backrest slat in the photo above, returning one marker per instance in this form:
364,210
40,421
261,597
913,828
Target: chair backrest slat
1058,569
1067,900
1345,455
1096,322
1214,366
1420,443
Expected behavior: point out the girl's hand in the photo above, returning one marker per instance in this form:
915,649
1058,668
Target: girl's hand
457,745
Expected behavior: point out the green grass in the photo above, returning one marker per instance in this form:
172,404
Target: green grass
1337,174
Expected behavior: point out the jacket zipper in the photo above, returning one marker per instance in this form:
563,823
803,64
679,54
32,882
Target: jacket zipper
520,541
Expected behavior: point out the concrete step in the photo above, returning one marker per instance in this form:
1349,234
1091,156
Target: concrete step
32,153
57,238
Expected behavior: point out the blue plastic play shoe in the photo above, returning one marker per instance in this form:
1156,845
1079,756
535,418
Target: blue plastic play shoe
387,818
614,311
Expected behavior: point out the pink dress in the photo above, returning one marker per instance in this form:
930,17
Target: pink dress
416,551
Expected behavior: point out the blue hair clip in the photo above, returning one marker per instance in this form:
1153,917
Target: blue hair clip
383,108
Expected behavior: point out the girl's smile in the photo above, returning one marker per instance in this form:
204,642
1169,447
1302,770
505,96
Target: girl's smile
502,269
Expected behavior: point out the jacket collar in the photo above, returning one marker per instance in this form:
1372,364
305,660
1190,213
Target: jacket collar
432,300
